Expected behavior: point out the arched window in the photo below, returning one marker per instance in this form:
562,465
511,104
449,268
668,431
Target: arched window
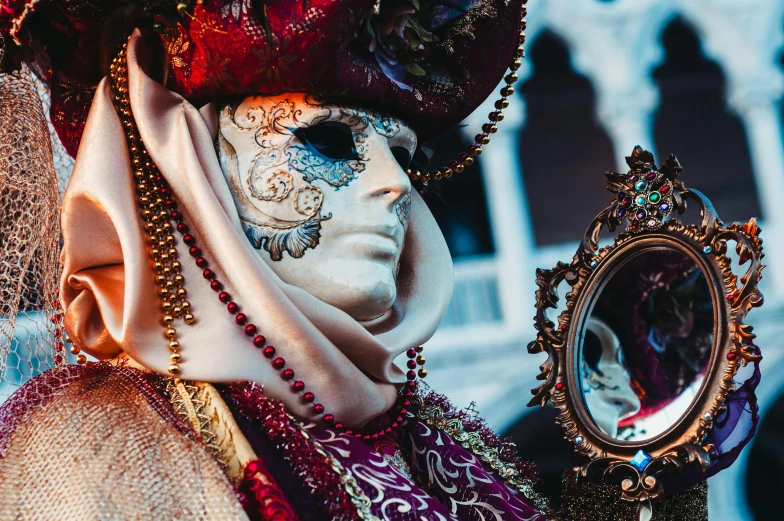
563,150
694,122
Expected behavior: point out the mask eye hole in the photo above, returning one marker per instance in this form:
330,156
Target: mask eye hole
403,156
331,139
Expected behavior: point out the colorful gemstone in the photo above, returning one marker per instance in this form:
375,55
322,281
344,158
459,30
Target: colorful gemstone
654,197
641,460
652,222
664,189
626,202
640,186
620,213
640,200
641,214
621,196
664,207
651,176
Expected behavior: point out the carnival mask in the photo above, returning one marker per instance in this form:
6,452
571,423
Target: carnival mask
605,380
322,194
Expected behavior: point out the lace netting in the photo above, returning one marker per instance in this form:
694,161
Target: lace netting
30,190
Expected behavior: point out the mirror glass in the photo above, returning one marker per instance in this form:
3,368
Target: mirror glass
646,345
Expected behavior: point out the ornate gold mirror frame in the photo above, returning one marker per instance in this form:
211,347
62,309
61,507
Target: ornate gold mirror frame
685,442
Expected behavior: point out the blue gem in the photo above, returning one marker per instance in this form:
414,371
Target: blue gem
707,249
640,200
640,186
641,460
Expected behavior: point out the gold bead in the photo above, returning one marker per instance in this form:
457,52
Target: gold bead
170,333
181,292
176,266
511,77
164,257
175,357
502,104
469,161
81,359
174,369
174,345
166,270
485,140
422,372
164,292
172,253
493,128
75,350
421,360
189,318
459,168
448,173
169,284
507,91
437,175
185,305
179,279
477,151
168,319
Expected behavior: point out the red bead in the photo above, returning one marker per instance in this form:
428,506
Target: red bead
169,203
399,419
563,327
59,345
407,403
349,432
201,262
366,436
731,356
411,364
308,397
730,297
394,425
329,418
224,297
58,333
216,285
58,359
318,408
411,353
208,274
182,227
287,374
403,411
165,192
233,308
253,467
338,426
409,394
250,329
177,216
374,436
278,363
189,239
56,319
259,341
411,375
269,352
358,435
195,251
298,386
388,429
411,383
241,319
664,189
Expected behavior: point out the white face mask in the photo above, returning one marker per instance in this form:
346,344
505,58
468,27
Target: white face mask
605,381
322,193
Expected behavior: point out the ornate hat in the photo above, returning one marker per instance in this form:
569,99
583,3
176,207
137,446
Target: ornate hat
428,62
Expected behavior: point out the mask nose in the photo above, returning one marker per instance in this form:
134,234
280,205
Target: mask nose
390,181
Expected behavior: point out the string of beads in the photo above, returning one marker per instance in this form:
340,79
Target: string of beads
467,158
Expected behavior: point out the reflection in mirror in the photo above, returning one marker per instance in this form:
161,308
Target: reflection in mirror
646,345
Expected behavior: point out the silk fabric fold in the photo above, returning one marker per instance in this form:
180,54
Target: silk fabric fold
111,299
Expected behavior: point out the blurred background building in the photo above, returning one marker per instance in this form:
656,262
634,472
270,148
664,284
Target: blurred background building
703,79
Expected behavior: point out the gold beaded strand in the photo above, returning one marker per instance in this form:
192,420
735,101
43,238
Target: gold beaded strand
468,157
156,212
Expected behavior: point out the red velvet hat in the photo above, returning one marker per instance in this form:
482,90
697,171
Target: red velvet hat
429,62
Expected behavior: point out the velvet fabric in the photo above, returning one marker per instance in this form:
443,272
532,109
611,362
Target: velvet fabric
111,302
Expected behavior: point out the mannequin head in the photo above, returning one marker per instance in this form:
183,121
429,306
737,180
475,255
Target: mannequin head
605,380
322,194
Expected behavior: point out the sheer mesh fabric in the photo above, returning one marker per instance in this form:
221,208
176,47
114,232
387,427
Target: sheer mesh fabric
29,233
